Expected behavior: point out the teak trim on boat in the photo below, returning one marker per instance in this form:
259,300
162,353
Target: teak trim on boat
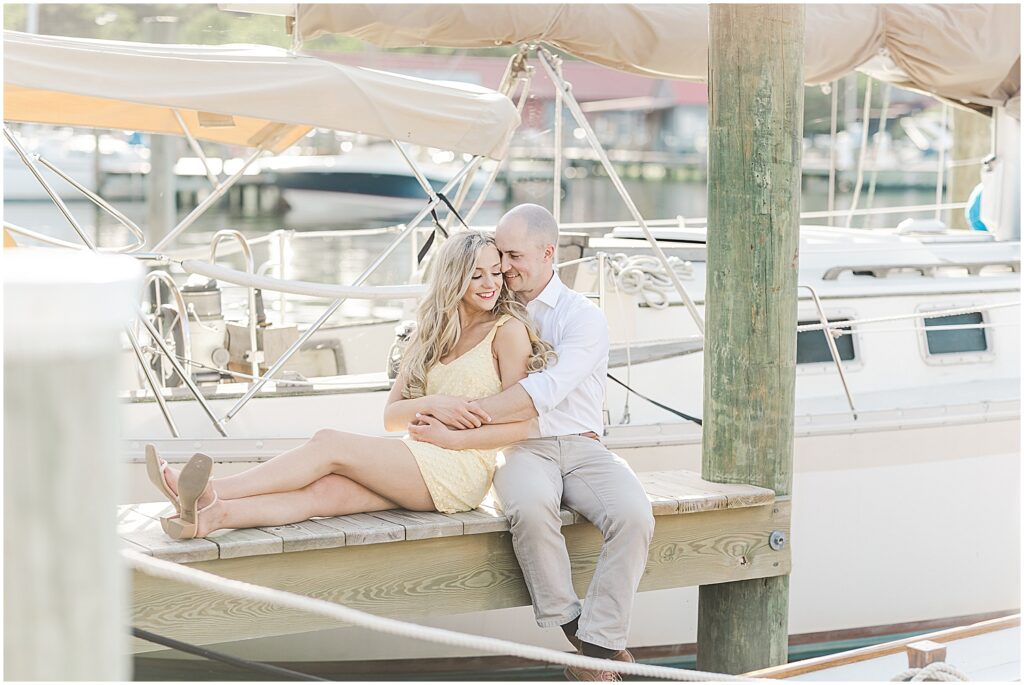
873,652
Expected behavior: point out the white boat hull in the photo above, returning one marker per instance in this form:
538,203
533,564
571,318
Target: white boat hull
889,527
908,512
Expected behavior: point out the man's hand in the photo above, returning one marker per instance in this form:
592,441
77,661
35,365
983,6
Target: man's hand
456,413
428,429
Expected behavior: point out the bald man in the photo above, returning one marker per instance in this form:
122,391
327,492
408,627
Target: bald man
567,463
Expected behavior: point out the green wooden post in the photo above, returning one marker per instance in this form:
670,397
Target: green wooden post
755,120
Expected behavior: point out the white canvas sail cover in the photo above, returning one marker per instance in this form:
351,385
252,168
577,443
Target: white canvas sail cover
966,53
241,94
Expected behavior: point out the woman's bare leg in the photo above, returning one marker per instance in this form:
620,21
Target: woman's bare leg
383,465
331,495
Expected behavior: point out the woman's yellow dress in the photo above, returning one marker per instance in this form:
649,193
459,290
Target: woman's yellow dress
458,480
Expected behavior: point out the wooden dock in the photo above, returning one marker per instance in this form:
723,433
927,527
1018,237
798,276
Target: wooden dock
404,564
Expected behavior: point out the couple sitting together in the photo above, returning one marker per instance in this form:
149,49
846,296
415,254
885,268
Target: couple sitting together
476,378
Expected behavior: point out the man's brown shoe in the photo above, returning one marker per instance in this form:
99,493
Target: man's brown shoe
573,673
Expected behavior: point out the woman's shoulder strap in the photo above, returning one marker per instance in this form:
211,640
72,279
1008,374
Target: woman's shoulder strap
502,320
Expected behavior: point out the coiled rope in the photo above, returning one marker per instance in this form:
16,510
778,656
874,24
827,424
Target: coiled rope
171,571
938,671
644,275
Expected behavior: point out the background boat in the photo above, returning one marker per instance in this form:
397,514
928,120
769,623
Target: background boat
934,424
370,182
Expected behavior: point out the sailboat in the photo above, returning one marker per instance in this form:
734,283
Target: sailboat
907,428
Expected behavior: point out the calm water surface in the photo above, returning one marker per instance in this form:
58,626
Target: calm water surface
340,260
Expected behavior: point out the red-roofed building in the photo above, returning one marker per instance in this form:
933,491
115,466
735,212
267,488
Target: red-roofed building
626,110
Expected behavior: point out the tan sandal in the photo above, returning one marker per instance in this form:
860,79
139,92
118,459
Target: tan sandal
156,468
179,529
191,485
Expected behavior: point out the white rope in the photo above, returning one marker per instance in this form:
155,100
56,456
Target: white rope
171,571
938,671
927,329
645,275
905,317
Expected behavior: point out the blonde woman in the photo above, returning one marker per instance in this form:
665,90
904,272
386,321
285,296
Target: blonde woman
472,340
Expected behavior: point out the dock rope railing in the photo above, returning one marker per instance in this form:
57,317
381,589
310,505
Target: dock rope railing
836,327
168,570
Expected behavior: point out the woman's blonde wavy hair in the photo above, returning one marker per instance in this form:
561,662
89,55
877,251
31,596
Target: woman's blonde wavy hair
438,328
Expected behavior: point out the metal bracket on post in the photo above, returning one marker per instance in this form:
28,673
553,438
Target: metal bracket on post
577,113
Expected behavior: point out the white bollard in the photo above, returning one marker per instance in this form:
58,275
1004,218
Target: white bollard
65,588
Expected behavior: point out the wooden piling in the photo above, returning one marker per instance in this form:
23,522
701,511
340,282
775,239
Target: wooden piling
161,200
972,141
755,118
65,589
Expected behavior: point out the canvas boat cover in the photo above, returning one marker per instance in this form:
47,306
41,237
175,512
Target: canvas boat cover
962,53
241,94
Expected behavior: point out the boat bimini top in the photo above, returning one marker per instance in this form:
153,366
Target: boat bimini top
967,54
252,95
257,96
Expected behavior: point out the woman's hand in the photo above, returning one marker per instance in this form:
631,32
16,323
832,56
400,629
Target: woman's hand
455,412
426,428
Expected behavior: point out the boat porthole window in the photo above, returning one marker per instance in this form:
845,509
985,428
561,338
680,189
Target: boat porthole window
957,340
812,346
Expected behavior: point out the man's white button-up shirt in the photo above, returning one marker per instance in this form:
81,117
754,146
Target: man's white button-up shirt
569,395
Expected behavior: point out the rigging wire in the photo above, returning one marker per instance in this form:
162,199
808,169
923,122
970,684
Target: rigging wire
212,655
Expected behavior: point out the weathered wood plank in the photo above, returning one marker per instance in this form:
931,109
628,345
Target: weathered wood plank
481,520
657,492
451,575
664,498
670,492
735,494
307,535
134,547
421,525
146,532
363,529
246,542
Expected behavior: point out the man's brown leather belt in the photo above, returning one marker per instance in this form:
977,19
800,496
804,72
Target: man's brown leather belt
590,434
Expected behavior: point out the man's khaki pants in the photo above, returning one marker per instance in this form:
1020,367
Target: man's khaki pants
536,477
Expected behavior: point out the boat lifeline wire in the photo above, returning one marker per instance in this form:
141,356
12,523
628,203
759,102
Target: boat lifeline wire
177,572
255,666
